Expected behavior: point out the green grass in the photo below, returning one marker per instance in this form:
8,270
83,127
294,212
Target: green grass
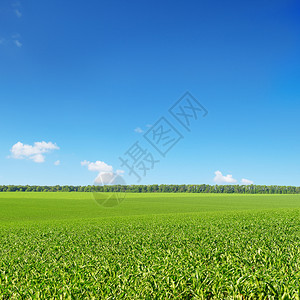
153,246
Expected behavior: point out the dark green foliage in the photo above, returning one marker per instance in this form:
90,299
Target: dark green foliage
163,188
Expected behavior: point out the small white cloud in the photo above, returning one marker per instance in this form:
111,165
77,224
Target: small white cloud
35,152
138,130
18,43
106,175
99,166
2,41
220,178
18,13
148,125
84,163
119,172
246,181
57,163
105,178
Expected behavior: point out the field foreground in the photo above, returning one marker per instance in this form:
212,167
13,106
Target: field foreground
154,246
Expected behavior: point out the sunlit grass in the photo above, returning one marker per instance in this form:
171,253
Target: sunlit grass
151,246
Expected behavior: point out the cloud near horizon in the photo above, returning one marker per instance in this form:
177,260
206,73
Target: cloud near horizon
36,152
220,178
246,181
99,166
106,175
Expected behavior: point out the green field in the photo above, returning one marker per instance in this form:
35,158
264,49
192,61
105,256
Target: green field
153,246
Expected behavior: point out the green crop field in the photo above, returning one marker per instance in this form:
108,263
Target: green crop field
151,246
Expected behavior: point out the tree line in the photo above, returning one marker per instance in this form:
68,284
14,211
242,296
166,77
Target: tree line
154,188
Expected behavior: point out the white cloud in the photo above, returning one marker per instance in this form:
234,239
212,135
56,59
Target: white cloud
220,178
106,175
138,130
38,158
105,178
57,163
35,152
18,43
18,13
246,181
99,166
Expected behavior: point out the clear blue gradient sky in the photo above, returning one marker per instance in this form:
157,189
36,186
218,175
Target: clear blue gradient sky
84,75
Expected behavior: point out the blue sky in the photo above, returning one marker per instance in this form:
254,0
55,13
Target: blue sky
85,75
